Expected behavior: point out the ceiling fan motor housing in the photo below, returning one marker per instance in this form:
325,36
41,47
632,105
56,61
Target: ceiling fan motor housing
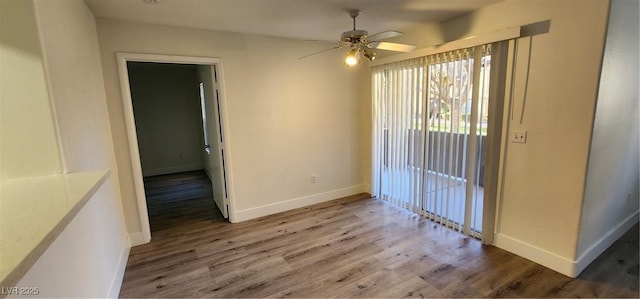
354,36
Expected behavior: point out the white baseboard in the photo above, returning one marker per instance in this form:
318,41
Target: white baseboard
295,203
136,239
536,254
116,282
172,169
559,263
603,243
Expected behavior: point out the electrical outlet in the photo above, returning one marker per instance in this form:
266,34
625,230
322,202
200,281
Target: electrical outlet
519,136
313,179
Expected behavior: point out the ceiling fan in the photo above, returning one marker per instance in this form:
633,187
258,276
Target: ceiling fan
360,43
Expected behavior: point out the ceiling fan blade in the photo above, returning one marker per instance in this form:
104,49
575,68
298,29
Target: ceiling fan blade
325,50
384,35
322,41
392,46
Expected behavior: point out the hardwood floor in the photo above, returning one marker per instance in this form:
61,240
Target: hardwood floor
350,247
178,199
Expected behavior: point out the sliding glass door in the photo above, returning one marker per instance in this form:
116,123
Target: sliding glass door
430,128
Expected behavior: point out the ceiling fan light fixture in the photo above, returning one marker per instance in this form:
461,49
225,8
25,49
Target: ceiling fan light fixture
362,44
371,56
352,58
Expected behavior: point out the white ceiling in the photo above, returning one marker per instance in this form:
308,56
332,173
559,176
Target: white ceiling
299,19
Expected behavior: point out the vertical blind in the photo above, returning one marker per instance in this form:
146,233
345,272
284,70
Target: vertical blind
429,133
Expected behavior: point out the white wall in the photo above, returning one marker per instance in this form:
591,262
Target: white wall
543,184
166,104
73,68
88,258
610,204
287,118
366,125
28,145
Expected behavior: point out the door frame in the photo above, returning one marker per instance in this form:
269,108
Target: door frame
122,58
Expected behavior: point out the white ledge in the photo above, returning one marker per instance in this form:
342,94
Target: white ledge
34,211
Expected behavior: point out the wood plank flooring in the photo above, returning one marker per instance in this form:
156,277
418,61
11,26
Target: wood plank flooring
350,247
177,199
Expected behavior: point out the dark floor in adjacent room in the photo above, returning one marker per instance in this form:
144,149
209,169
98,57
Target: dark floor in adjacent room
177,199
351,247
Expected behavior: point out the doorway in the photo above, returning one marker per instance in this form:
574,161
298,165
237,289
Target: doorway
154,154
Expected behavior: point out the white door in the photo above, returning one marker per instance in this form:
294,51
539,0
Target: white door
213,136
